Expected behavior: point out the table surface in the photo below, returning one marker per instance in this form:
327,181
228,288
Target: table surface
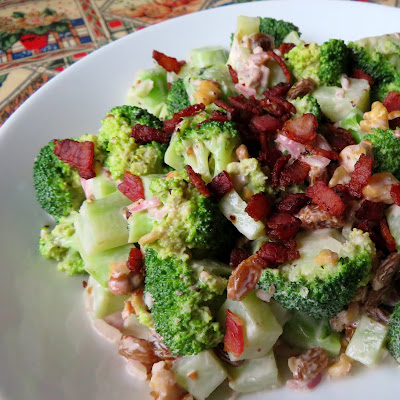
40,38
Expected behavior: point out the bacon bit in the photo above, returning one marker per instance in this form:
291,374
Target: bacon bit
395,193
225,106
370,210
392,101
251,105
294,173
233,75
279,90
84,284
284,48
269,157
170,124
359,74
78,155
146,134
302,129
276,253
293,203
360,176
281,63
245,276
135,261
220,185
386,234
278,166
196,180
233,339
170,64
278,107
266,123
332,155
326,198
339,138
237,256
258,207
283,226
132,187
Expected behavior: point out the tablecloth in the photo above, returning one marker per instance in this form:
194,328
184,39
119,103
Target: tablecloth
40,38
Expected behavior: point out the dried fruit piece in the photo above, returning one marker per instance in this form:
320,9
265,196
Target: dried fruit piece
237,256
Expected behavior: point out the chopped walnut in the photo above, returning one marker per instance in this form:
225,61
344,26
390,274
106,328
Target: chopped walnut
378,118
378,187
309,364
341,367
312,217
326,257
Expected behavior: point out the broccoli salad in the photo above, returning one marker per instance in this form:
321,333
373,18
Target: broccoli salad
239,215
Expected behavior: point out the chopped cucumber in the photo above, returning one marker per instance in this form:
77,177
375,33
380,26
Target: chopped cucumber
246,26
351,122
102,301
282,314
260,328
139,224
336,102
393,219
146,182
208,56
307,332
368,341
233,207
254,375
208,373
98,265
102,185
101,224
220,74
133,327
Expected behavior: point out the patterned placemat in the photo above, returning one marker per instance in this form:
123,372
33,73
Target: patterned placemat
40,38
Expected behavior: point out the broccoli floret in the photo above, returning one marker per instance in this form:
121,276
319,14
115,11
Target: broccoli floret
322,291
58,186
208,149
193,221
178,98
123,154
351,122
386,150
181,294
59,244
393,337
307,104
249,173
277,28
380,90
325,64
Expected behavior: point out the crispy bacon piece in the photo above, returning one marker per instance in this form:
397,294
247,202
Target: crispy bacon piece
266,123
233,339
251,105
302,129
281,63
245,276
135,261
360,176
325,198
220,185
170,64
360,74
394,123
386,234
395,193
78,155
284,48
233,75
392,101
145,134
269,156
227,107
283,226
370,210
258,207
277,253
279,90
370,228
132,187
197,181
339,138
278,166
170,124
237,256
294,173
215,116
278,107
332,155
293,203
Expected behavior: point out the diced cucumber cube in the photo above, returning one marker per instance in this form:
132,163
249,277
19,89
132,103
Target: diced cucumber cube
208,56
254,375
146,181
133,327
233,207
367,342
200,375
102,301
260,328
246,26
102,185
282,314
98,265
139,224
101,224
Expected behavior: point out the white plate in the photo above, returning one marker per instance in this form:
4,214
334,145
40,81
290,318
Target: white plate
48,350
